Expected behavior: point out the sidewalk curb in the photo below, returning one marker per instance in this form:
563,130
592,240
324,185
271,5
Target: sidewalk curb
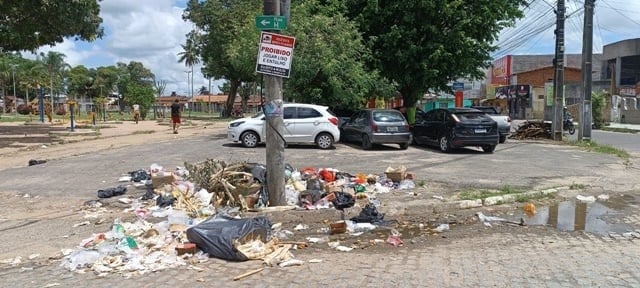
497,200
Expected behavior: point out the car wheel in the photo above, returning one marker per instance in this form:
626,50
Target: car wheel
404,146
488,148
503,138
324,141
445,144
366,143
250,139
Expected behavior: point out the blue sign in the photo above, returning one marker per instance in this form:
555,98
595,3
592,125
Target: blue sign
458,86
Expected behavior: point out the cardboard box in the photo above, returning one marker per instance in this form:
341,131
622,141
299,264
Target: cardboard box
159,181
396,174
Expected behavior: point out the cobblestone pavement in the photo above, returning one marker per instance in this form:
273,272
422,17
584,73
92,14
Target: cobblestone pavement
489,259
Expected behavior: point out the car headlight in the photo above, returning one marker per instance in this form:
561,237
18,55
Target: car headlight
236,124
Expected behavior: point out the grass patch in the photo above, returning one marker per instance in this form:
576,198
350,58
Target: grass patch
621,130
484,193
144,132
528,198
601,148
421,183
576,186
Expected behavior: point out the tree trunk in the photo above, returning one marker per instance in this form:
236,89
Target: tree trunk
233,91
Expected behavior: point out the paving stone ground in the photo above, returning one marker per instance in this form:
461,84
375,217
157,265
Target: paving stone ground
487,260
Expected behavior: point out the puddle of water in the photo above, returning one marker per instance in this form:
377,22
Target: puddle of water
595,217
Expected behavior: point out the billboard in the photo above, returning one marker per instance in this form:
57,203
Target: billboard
501,71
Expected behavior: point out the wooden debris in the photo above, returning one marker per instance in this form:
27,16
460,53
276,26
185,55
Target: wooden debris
247,274
533,130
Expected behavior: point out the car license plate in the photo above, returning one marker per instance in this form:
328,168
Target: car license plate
480,131
392,129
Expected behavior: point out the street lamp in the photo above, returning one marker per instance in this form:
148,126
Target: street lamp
189,90
15,97
104,105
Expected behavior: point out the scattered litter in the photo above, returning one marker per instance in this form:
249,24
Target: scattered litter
81,224
33,162
124,179
344,248
603,197
317,239
125,200
395,240
442,228
245,275
315,261
406,185
438,197
334,244
26,195
486,220
301,227
33,256
529,209
587,199
52,285
291,262
110,192
369,214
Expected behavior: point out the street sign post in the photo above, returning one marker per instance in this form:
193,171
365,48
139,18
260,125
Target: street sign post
458,86
275,53
271,22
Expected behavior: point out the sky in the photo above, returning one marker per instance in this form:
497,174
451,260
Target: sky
151,32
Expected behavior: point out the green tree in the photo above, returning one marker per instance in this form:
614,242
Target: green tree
597,109
329,61
227,40
189,56
129,74
142,95
56,68
423,44
29,24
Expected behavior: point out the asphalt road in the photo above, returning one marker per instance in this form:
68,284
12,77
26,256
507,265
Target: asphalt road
516,163
627,141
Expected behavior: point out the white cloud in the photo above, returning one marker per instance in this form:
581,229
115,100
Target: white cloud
147,31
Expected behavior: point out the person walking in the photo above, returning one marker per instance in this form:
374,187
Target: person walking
136,112
176,109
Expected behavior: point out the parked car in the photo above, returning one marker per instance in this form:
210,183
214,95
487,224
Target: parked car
303,124
377,126
504,121
456,127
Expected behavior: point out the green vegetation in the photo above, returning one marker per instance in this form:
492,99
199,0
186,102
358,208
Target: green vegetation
473,194
621,130
523,198
601,148
577,186
422,183
28,25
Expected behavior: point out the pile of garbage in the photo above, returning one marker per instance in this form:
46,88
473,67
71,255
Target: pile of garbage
193,212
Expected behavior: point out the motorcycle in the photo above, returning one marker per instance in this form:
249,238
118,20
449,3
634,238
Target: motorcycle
567,125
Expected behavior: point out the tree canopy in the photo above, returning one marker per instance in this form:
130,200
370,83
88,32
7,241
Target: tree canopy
424,44
29,24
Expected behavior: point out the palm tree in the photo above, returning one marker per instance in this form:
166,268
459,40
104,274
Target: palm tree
56,67
189,56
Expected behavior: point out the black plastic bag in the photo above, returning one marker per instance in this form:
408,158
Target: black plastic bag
36,162
139,175
149,193
343,200
165,200
110,192
216,235
369,214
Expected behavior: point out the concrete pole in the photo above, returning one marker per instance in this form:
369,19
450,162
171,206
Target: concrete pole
558,80
584,133
15,97
274,129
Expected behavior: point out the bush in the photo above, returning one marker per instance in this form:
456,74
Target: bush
60,111
24,109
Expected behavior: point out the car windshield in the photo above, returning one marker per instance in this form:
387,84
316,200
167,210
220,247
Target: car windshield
387,116
471,116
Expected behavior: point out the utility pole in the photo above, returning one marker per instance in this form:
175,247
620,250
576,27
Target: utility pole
584,133
558,79
275,127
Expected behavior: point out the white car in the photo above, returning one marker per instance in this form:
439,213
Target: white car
303,124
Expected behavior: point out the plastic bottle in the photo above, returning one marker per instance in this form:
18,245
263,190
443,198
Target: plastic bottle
117,230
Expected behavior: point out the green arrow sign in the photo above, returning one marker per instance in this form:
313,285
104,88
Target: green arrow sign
269,22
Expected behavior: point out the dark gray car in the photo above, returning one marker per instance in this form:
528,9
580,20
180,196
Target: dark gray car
377,126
